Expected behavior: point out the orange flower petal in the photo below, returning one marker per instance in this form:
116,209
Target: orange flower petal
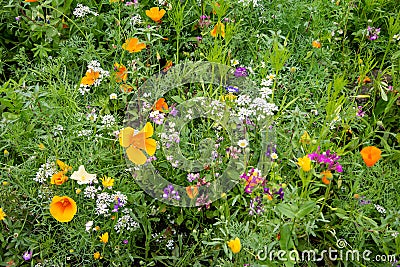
155,14
192,191
132,45
370,155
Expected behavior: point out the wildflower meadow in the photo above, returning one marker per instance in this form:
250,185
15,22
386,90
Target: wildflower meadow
200,133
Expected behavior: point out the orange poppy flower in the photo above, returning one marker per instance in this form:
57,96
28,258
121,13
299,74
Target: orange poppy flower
370,155
63,209
90,77
155,14
326,177
167,66
126,88
59,178
121,74
219,29
132,45
161,105
31,1
135,143
316,44
192,191
365,80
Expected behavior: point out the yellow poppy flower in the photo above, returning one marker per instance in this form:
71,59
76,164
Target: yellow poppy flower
104,238
107,181
219,29
2,214
234,245
96,255
305,163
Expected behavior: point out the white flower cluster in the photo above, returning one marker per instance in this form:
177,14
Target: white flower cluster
125,223
135,20
105,200
265,90
170,136
380,209
108,120
84,132
81,11
170,244
91,191
248,2
45,171
58,130
157,117
94,66
258,107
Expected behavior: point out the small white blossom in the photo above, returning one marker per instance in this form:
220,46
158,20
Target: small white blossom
380,209
108,120
243,143
81,11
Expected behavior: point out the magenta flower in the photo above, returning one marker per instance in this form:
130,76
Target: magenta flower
241,72
373,33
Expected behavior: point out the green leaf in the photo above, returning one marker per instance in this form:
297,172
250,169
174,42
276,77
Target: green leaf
286,210
177,99
179,220
10,116
305,209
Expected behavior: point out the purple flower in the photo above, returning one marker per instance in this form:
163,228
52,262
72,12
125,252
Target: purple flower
199,38
327,160
360,112
233,152
256,206
373,33
232,89
125,241
204,21
203,200
271,148
241,72
18,18
280,193
27,255
170,193
174,112
362,201
117,205
193,176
